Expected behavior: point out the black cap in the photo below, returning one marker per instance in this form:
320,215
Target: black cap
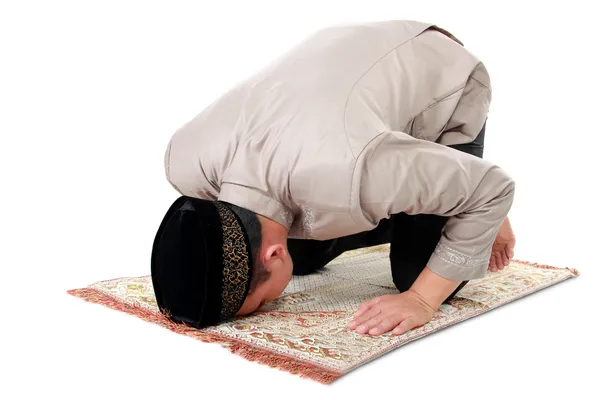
201,263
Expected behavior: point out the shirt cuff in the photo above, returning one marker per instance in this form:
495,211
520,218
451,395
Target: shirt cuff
457,266
257,202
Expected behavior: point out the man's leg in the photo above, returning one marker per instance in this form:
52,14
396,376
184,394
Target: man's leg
311,255
414,238
475,148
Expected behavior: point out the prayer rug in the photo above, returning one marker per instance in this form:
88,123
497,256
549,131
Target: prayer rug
304,331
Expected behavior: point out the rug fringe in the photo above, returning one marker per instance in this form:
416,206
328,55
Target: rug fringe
533,264
240,348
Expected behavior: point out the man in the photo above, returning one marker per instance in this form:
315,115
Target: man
360,135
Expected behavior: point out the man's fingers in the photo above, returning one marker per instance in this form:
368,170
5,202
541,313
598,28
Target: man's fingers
366,305
499,261
404,326
367,315
510,252
492,265
366,326
505,259
385,325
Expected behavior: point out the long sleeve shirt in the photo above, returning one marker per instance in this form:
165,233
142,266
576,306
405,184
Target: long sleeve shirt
349,127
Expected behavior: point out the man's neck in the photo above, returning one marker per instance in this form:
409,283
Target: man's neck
272,232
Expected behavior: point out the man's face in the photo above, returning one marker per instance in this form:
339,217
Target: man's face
281,273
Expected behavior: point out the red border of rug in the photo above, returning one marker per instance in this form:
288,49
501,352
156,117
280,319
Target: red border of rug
240,348
243,349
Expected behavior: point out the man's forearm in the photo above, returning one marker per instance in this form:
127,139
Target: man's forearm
432,288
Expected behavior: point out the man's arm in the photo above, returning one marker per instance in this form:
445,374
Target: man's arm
403,174
416,236
433,288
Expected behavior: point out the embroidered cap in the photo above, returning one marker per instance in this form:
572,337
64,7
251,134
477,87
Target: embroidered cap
201,263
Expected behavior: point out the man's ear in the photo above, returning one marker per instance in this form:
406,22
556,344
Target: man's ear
273,255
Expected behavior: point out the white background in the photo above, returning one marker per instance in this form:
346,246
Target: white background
90,93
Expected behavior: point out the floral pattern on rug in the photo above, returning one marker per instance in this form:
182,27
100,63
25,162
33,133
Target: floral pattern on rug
308,322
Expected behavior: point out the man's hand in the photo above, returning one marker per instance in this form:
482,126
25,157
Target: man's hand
398,312
503,248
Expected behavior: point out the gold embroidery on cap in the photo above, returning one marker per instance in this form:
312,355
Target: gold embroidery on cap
236,268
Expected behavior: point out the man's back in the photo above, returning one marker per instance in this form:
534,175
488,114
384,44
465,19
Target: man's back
286,142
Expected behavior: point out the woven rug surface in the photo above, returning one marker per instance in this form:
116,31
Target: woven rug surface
304,331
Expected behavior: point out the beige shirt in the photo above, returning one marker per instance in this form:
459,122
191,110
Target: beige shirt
348,128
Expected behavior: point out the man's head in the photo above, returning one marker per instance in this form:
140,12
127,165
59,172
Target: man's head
272,262
212,261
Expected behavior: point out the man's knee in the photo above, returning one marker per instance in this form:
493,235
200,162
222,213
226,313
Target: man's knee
456,291
404,276
402,285
309,256
305,269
